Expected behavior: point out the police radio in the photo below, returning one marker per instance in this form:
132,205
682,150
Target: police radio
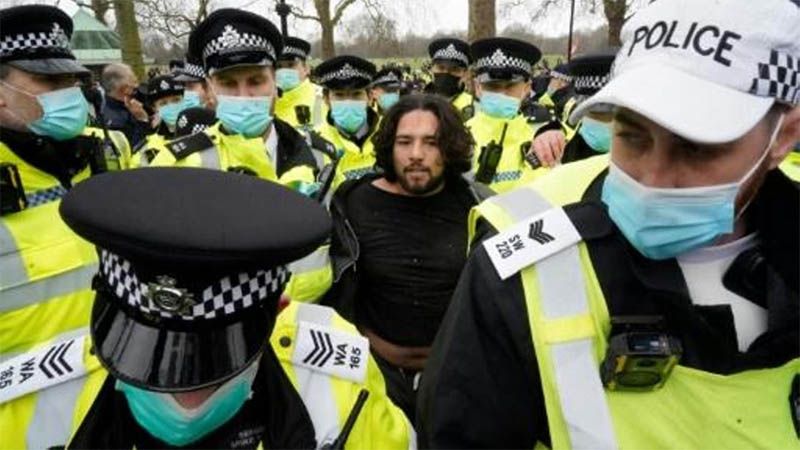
489,159
12,194
528,156
640,355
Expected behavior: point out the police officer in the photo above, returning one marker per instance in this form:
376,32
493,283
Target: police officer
300,102
386,87
45,270
350,122
450,61
502,133
560,142
199,348
193,76
659,307
239,51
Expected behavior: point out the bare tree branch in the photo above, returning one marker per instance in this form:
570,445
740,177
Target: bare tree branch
338,10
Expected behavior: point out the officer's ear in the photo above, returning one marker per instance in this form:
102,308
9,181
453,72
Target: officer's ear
788,135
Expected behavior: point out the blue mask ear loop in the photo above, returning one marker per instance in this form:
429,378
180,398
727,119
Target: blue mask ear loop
773,138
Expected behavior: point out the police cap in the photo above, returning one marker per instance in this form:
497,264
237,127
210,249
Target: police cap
389,77
295,48
345,72
192,265
504,59
450,50
194,120
591,72
230,38
163,86
36,39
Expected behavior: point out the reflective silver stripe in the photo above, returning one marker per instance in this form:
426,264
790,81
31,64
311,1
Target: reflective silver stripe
12,267
51,424
315,388
317,113
562,289
29,293
317,260
209,158
319,158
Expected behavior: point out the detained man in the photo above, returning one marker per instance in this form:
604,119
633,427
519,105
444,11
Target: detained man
400,237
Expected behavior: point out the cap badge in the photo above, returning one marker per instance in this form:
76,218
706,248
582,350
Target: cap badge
164,85
182,122
166,296
230,37
58,36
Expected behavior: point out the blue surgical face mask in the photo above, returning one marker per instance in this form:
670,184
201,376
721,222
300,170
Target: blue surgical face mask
164,418
191,99
662,223
248,116
596,134
169,113
287,79
498,105
349,115
65,113
388,99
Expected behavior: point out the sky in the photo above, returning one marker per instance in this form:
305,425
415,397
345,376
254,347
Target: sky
421,17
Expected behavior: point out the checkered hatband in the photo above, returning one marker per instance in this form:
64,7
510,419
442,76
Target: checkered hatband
591,82
779,78
499,60
388,78
226,296
231,40
193,70
55,41
450,53
294,51
346,72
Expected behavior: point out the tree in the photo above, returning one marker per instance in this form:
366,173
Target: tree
129,33
616,12
481,19
173,18
328,21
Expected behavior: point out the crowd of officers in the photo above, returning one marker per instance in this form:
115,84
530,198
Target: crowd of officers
248,252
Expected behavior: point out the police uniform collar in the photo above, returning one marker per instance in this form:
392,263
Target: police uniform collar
61,159
36,39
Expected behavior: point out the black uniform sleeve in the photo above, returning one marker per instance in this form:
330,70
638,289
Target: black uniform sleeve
481,387
293,149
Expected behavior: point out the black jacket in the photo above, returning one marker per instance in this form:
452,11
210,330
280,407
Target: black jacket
117,117
344,251
483,363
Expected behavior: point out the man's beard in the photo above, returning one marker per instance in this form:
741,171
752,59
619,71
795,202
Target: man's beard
431,185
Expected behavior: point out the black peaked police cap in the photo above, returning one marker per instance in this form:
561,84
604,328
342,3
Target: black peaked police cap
192,265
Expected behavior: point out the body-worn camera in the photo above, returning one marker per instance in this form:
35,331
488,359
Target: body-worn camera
640,355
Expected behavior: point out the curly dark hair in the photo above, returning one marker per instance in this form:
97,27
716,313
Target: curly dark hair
455,141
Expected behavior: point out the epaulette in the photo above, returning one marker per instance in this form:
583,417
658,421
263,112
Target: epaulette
185,146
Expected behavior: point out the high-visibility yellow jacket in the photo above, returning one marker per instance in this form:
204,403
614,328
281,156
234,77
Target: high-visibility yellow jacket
306,94
512,170
327,395
355,161
215,149
791,166
464,104
45,299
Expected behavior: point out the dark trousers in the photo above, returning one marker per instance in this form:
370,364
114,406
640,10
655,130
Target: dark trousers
401,386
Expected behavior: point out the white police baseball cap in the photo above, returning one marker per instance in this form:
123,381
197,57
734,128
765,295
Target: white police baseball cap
707,70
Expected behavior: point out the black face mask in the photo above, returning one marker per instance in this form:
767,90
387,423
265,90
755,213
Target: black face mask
447,85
